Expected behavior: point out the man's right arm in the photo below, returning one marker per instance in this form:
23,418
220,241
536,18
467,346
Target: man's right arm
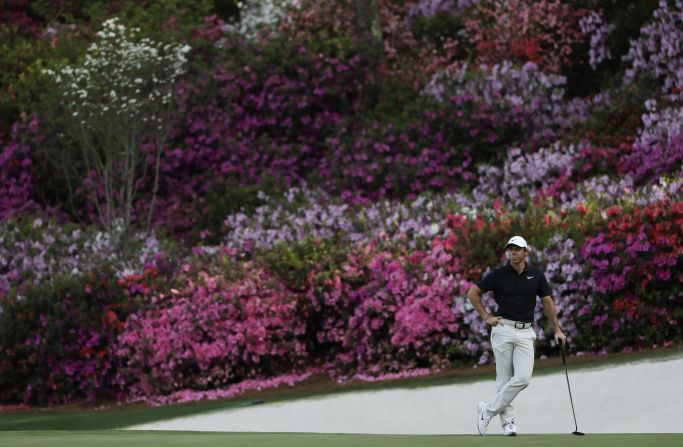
474,295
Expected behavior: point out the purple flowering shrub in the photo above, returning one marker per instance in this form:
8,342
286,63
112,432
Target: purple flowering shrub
658,52
565,273
432,8
535,97
659,147
284,110
593,25
434,151
602,191
18,170
212,332
267,116
304,212
524,177
648,162
633,267
33,251
391,162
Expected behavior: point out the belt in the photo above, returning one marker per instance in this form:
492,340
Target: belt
517,324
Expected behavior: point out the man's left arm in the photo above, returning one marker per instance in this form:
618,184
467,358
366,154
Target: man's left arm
551,312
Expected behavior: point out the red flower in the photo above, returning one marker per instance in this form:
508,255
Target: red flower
526,49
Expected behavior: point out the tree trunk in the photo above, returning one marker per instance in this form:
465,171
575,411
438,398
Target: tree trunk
369,31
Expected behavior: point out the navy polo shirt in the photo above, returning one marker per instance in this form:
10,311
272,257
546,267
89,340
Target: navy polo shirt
515,293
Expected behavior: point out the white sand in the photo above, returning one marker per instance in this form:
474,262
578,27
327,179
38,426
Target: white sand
641,397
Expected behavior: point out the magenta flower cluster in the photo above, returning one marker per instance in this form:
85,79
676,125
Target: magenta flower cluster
17,176
634,266
211,334
432,8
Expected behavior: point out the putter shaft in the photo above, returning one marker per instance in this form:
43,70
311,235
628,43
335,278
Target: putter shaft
566,373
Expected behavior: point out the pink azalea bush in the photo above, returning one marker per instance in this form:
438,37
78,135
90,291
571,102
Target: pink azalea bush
18,14
384,312
211,333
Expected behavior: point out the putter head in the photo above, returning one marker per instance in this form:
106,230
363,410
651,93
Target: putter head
578,433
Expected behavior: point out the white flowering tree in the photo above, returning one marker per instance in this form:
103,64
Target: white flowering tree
118,103
259,15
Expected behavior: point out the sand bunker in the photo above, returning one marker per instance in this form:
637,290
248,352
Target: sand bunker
641,397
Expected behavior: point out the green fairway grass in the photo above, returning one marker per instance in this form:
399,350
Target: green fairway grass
194,439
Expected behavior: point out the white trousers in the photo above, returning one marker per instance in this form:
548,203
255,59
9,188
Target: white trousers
514,353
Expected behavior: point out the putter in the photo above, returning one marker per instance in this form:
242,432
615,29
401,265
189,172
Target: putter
564,362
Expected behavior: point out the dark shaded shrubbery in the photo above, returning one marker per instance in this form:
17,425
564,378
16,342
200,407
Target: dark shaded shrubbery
56,340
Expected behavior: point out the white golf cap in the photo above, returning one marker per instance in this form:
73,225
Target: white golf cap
518,241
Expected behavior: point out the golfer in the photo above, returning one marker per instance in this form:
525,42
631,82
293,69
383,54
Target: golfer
515,287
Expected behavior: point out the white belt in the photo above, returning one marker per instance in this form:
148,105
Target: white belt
517,324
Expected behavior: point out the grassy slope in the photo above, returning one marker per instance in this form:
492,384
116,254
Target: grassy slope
133,439
80,417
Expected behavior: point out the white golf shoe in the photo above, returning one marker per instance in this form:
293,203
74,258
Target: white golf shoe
510,429
482,418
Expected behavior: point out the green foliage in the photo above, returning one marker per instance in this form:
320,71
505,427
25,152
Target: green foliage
618,121
628,17
292,262
226,10
62,11
227,197
173,20
396,101
24,86
435,31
